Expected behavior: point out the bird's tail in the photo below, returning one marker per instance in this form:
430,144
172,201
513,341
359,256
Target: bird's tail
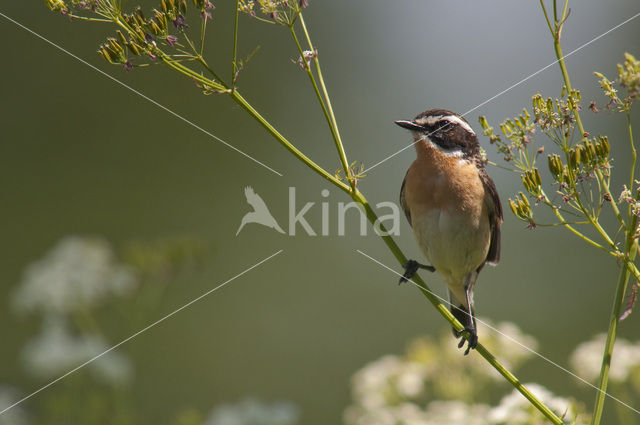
465,315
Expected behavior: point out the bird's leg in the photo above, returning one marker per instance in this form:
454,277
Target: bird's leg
470,324
410,269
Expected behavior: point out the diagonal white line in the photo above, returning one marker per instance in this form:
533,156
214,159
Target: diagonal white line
140,331
506,336
175,114
513,86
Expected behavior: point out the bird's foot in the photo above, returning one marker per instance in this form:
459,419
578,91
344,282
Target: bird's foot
410,269
472,340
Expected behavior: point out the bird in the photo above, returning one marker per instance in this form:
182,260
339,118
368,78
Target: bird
454,209
260,213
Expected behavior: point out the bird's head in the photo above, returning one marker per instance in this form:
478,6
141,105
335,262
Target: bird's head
446,130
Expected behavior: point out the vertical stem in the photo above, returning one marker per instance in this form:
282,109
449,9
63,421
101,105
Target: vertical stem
567,82
203,31
546,16
630,244
234,67
316,61
623,280
332,127
633,151
601,180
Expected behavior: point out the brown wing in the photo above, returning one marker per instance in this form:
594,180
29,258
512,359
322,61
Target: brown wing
403,201
492,201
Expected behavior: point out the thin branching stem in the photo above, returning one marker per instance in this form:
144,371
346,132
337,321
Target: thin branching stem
217,84
571,228
338,139
324,104
630,247
234,61
614,319
633,150
86,18
235,95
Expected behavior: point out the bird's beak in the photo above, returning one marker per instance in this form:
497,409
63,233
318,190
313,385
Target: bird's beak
409,125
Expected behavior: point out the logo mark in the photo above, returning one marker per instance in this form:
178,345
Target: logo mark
260,213
297,215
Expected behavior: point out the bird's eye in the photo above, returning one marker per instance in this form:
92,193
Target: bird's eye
444,125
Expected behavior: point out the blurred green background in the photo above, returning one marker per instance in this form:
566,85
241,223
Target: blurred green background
82,155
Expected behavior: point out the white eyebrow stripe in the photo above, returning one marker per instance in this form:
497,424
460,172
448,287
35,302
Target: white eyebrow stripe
432,120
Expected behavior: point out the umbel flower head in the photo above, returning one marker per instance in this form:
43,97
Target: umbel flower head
586,359
283,12
431,384
57,350
78,272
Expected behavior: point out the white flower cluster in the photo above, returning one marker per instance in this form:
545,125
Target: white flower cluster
434,384
254,412
437,368
386,379
504,339
514,409
586,359
56,351
435,413
77,272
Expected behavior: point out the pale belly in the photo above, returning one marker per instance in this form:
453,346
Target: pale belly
454,243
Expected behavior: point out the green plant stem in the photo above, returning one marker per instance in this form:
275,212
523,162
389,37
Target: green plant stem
350,189
338,139
572,229
444,312
632,267
631,249
601,180
592,219
630,243
203,31
621,290
85,18
633,152
557,45
604,184
325,108
400,257
238,98
234,64
235,95
567,81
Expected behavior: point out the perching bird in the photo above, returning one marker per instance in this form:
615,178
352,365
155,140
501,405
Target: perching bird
260,213
453,207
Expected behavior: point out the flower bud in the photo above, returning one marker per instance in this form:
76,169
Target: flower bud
574,158
555,165
121,36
